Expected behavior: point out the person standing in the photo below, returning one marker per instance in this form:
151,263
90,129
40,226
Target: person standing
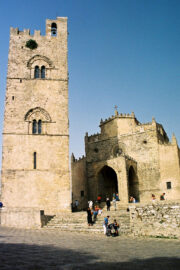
99,199
95,213
108,203
91,205
105,224
76,205
114,203
89,217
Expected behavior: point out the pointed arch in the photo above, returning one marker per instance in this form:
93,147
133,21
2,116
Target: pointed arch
107,182
133,184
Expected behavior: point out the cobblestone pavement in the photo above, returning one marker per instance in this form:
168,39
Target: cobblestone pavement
57,250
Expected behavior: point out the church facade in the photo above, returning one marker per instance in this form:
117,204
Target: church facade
35,159
130,158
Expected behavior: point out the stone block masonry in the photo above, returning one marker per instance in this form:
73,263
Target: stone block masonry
157,219
23,217
35,161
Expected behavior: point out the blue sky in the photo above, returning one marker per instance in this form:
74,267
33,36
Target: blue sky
121,52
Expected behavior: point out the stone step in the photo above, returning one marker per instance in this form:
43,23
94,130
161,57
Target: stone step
77,221
112,216
98,222
68,227
84,225
89,230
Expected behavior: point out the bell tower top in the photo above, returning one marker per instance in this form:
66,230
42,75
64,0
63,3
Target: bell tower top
54,28
28,51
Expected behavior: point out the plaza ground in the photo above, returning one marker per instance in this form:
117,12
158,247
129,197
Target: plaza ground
22,249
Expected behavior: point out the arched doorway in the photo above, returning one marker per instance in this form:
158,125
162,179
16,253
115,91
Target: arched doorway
133,184
107,183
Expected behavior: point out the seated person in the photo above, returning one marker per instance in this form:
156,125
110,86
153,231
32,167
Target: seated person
96,208
117,197
162,197
153,198
131,199
99,211
116,227
95,213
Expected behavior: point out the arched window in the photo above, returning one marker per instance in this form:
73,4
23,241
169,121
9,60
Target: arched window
34,160
36,119
43,70
54,29
39,127
36,72
34,127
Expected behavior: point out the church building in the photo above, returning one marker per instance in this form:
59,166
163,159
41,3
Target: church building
128,158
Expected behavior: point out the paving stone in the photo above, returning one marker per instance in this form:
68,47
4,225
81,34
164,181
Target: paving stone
58,250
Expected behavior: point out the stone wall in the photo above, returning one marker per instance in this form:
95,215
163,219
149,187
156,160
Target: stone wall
160,219
169,170
45,185
79,182
23,217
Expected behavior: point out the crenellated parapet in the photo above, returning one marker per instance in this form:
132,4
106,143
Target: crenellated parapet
52,27
94,138
145,124
74,160
117,116
25,32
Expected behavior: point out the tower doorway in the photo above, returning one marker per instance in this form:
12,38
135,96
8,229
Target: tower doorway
107,183
133,185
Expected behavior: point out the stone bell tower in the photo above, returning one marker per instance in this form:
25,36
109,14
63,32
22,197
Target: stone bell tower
35,166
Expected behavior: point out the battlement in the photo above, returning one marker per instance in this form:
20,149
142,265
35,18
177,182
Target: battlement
25,32
94,137
145,124
52,28
117,115
79,159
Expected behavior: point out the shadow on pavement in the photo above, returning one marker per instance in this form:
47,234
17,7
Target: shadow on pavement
37,257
